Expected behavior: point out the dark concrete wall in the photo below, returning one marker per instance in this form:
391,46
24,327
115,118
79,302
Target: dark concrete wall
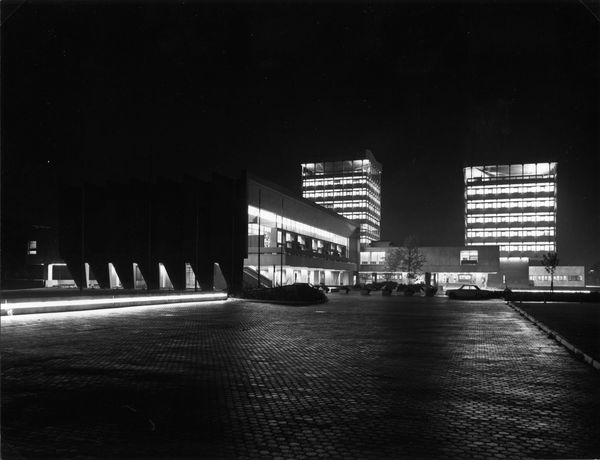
148,223
515,273
447,258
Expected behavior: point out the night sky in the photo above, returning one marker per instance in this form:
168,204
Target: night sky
110,92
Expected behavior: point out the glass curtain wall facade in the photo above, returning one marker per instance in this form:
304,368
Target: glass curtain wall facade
278,231
512,206
352,188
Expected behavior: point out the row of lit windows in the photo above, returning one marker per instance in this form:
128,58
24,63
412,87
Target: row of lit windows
511,200
315,245
378,257
366,228
336,192
372,258
331,182
368,233
369,228
371,190
321,182
556,278
361,216
505,218
349,204
503,243
374,177
514,243
338,201
509,233
469,256
533,203
271,219
356,192
549,247
500,229
367,212
506,189
340,206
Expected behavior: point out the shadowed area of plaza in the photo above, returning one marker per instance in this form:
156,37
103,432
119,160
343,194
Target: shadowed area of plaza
579,323
356,377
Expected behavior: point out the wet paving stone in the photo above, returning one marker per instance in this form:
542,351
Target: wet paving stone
377,377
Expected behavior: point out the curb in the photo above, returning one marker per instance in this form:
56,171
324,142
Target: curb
293,303
559,338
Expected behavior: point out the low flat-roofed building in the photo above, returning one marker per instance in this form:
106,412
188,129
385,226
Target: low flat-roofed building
444,266
564,276
292,239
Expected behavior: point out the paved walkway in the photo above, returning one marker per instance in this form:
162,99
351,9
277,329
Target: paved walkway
374,377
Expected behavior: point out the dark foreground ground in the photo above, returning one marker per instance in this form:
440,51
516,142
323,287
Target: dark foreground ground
579,323
359,377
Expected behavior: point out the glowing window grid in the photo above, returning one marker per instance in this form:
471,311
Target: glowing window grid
512,206
350,188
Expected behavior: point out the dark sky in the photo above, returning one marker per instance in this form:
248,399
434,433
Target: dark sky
120,90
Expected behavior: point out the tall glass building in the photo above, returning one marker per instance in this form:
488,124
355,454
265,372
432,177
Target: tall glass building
512,206
352,188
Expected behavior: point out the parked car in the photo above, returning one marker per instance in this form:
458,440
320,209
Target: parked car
470,291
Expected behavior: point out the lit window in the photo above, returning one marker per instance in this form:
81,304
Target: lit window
32,248
469,257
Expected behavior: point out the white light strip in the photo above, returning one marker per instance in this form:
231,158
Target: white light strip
577,291
112,301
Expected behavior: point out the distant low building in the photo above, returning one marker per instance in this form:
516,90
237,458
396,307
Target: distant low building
443,266
564,276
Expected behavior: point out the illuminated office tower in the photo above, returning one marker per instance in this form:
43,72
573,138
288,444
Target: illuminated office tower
351,188
512,206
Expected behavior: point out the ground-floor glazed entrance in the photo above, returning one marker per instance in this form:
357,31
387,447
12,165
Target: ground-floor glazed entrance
441,279
277,275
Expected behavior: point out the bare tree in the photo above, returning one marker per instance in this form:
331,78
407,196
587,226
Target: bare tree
550,262
393,261
412,260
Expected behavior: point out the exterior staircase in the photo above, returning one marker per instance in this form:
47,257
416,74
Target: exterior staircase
251,279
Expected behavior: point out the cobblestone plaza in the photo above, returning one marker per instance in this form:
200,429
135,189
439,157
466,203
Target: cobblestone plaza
358,377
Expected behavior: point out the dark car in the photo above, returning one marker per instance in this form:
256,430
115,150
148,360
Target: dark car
469,291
